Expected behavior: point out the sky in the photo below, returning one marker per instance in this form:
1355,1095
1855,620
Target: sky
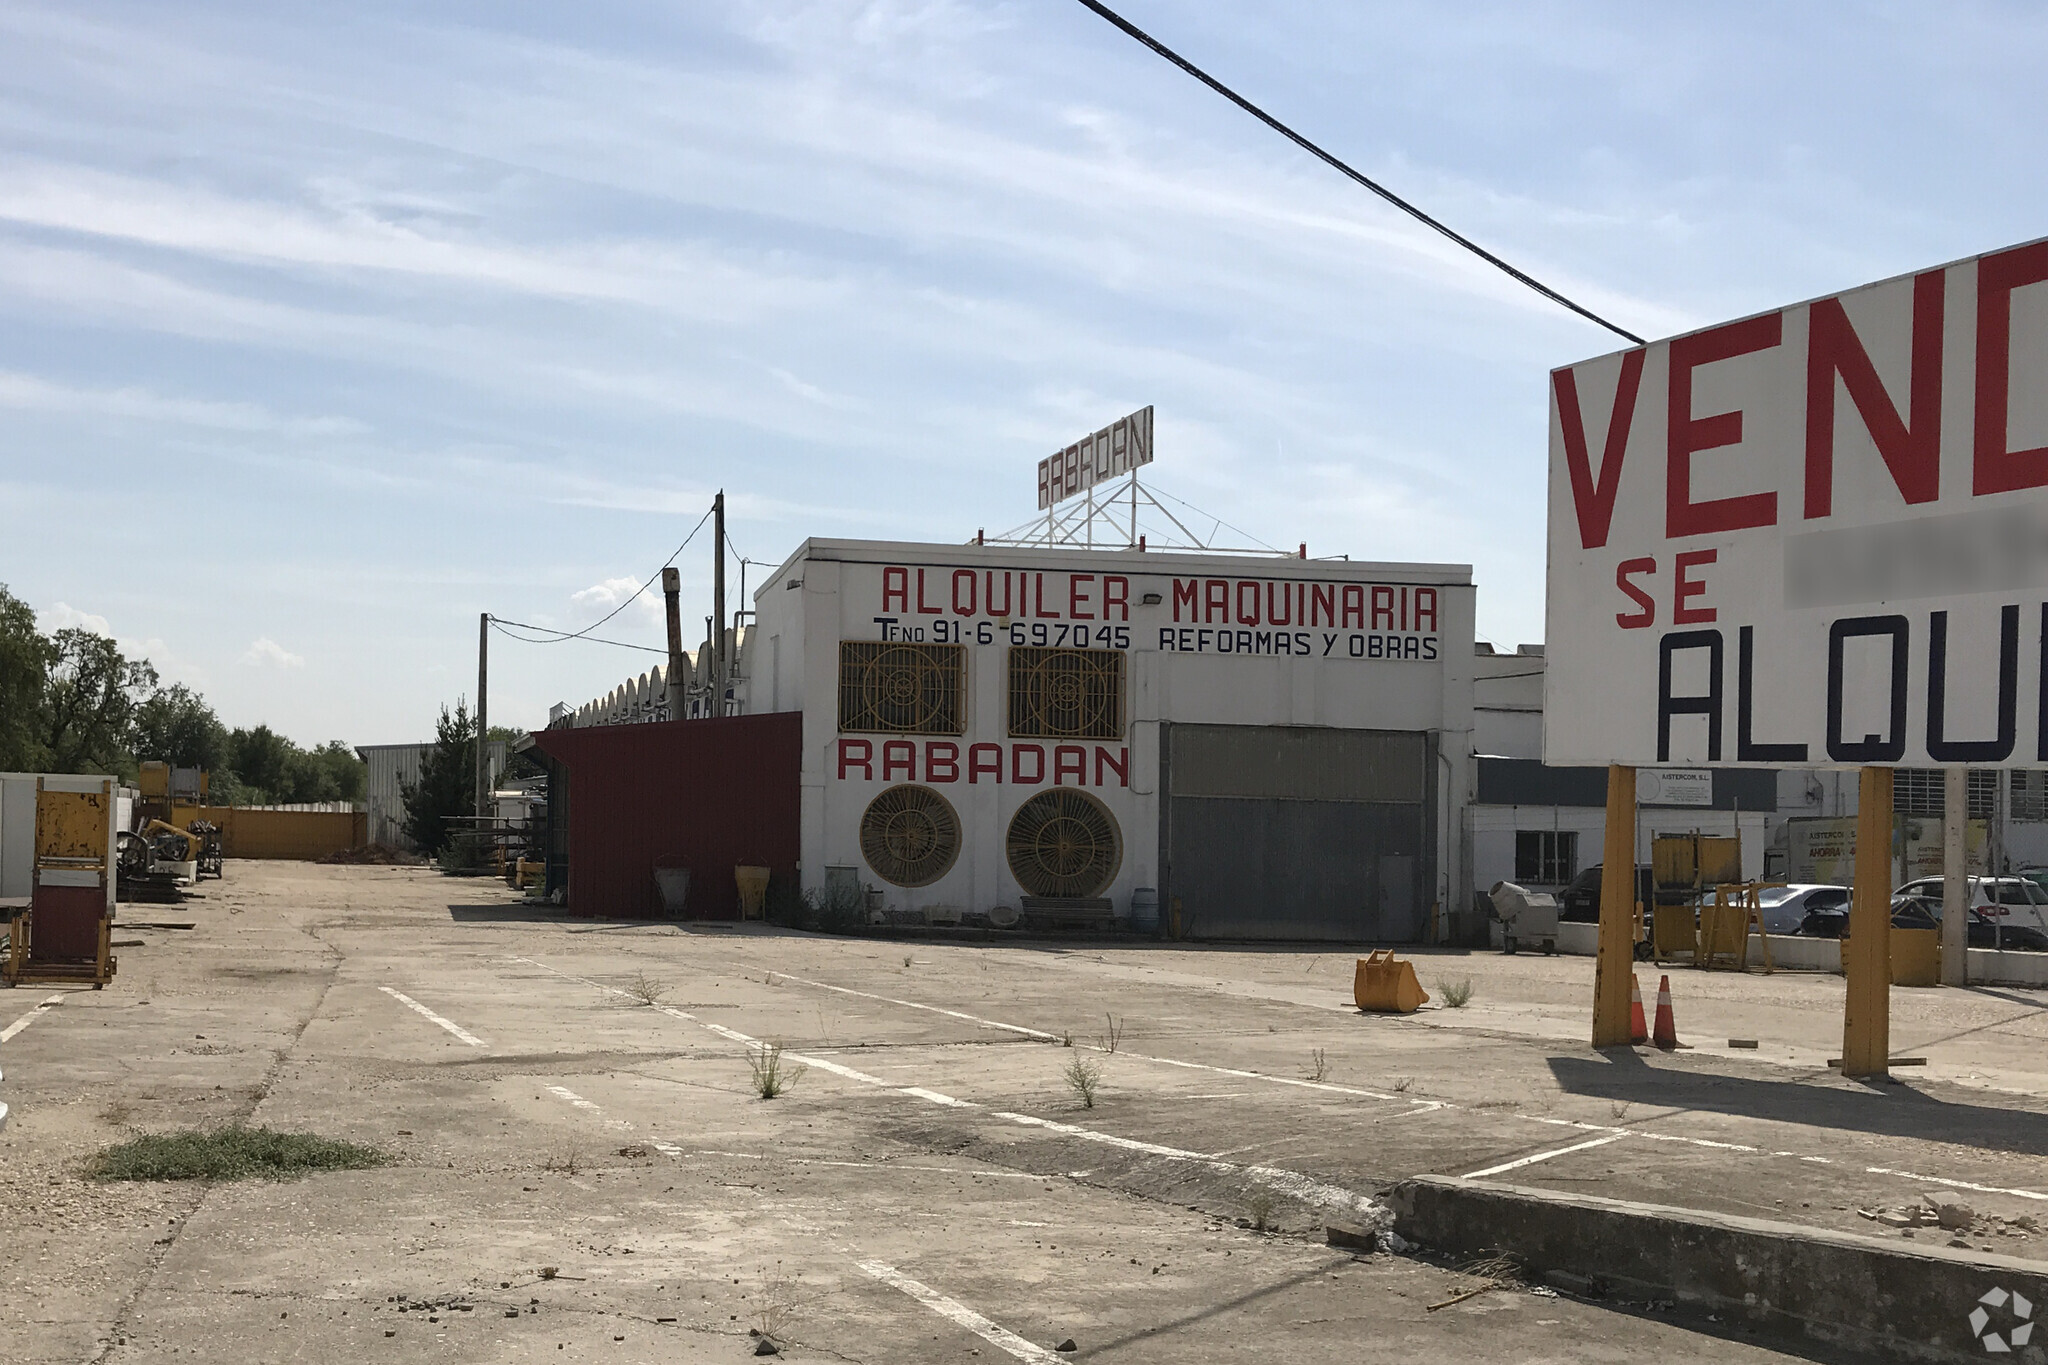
325,328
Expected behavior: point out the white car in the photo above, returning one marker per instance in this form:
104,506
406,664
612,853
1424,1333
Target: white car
2005,912
1784,908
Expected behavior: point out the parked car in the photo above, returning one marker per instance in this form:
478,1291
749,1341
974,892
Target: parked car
2005,912
1784,908
1580,899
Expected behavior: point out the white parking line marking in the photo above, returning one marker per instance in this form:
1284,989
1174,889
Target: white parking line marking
1955,1184
959,1313
1120,1051
912,1004
1291,1183
29,1018
1543,1156
563,1092
458,1030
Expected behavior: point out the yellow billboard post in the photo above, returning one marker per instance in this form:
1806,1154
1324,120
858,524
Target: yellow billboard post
1866,952
1614,963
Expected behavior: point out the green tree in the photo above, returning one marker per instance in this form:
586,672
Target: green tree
447,785
261,758
350,775
26,656
177,727
90,704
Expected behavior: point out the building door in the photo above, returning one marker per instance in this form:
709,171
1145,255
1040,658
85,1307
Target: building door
1289,832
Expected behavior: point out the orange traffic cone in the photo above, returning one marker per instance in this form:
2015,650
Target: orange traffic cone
1638,1030
1666,1036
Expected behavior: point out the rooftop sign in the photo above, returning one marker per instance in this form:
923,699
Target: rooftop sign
1816,536
1109,454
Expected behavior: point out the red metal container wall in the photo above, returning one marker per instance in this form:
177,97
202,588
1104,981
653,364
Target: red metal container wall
706,794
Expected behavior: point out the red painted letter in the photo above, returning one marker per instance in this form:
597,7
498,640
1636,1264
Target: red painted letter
984,758
1594,495
896,584
1187,590
941,761
967,608
1037,753
1120,765
899,755
1683,587
1076,599
1911,451
1688,435
1069,760
1999,470
1116,593
1627,569
856,753
921,607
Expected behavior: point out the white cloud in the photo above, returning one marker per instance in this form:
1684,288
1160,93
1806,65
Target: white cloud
264,652
64,616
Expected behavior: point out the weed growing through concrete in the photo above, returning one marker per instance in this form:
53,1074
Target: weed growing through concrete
780,1305
1455,993
1401,1085
1083,1076
906,962
563,1160
1258,1202
647,990
1067,1038
117,1111
1116,1033
232,1152
772,1075
1320,1066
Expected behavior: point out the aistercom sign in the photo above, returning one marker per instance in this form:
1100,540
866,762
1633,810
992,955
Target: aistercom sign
1814,536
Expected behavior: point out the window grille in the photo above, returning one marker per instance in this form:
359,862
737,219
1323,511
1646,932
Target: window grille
1924,791
1546,857
1066,693
890,688
2029,794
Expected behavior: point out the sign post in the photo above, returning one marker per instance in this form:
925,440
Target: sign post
1617,943
1867,951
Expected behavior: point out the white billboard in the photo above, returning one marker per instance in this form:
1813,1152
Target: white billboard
1110,453
1816,536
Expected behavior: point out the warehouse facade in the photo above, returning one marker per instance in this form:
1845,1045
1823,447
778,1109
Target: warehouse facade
1265,748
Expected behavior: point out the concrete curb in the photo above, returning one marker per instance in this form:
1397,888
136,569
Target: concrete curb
1877,1299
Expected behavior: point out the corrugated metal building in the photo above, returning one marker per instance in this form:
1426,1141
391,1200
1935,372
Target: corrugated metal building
392,764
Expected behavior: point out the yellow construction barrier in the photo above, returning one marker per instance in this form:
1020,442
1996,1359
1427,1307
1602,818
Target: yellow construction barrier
1383,985
1916,956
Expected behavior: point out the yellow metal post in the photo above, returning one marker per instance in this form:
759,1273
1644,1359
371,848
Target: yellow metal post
1612,966
1866,953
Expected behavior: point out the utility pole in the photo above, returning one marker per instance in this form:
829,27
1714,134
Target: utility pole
672,683
483,680
718,605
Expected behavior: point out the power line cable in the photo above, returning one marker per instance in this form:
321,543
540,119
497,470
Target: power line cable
561,635
1134,32
499,623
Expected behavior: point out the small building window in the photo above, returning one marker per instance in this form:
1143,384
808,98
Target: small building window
1923,792
1066,693
889,688
1546,857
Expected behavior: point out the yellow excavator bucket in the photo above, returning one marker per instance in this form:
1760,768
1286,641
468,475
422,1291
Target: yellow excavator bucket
1383,985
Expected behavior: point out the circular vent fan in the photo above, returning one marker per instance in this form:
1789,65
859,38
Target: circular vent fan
910,836
1064,845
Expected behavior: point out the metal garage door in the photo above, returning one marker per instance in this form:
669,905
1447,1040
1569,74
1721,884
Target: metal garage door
1285,832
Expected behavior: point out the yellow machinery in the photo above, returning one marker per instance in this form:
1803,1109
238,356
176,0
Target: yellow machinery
1385,985
66,935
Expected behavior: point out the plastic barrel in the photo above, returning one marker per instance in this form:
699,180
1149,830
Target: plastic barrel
1145,910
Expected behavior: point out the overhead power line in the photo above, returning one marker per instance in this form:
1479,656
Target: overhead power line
1133,31
555,637
558,636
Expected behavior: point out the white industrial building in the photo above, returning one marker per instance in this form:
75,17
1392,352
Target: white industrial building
1273,747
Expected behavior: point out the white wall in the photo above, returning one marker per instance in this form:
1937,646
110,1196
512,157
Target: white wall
847,585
